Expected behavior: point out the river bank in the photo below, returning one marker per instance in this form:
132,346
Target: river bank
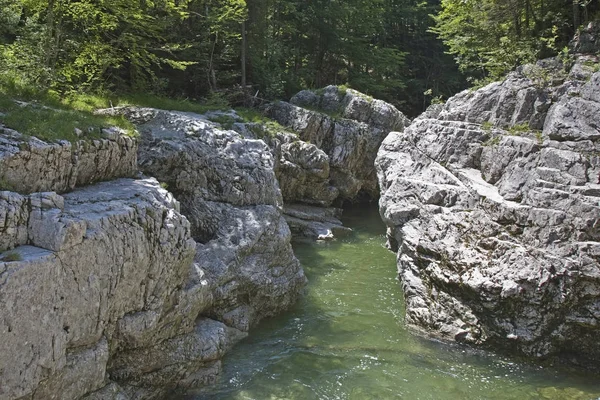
346,339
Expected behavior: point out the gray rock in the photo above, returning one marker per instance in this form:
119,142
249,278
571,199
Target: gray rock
306,99
496,221
229,192
244,268
349,130
316,223
28,164
150,371
91,258
111,391
303,173
587,39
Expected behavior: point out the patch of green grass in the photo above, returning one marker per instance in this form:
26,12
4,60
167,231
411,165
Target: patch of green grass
518,129
251,115
11,256
268,127
366,97
53,124
5,185
53,116
493,141
226,121
539,137
487,126
343,89
50,116
213,103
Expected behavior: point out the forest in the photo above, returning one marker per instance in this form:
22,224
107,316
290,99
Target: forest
407,52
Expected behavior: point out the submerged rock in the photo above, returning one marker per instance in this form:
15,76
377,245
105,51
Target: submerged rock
493,203
315,222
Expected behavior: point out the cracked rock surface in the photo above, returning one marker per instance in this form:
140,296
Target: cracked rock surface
349,127
228,190
90,265
493,205
29,165
105,294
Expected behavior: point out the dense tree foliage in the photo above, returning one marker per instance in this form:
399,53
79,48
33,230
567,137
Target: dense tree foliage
191,48
491,37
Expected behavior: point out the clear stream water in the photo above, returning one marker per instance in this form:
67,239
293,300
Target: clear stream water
346,339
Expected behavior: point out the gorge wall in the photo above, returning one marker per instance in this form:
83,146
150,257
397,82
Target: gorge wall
492,202
130,266
116,289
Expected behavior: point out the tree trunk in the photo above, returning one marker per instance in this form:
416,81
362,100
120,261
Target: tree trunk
212,76
50,33
243,57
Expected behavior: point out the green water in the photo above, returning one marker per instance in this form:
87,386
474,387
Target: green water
346,339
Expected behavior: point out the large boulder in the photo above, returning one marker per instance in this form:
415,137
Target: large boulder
301,168
587,39
105,294
492,202
346,125
229,192
90,274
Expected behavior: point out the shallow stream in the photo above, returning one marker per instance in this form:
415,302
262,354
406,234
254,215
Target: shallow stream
346,339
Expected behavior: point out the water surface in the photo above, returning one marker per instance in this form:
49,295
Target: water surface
346,339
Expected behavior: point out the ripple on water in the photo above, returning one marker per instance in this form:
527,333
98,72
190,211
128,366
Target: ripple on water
346,339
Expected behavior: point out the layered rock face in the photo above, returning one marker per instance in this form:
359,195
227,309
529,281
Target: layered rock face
493,204
32,165
104,293
349,127
84,271
331,158
228,190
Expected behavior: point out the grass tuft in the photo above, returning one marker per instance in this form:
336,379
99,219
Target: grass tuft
263,126
518,129
11,256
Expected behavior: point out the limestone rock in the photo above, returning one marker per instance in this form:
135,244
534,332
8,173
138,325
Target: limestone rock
150,370
91,258
349,128
493,205
317,223
112,391
228,190
587,39
28,164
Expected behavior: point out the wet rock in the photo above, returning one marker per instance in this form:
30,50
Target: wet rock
316,223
